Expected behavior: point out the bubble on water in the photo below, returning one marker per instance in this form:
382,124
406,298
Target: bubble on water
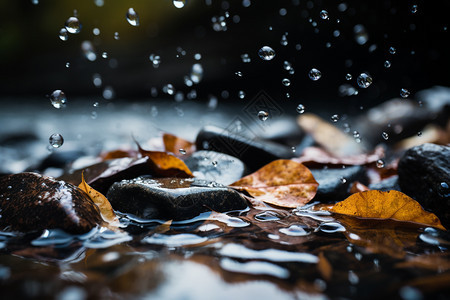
414,8
241,94
266,53
63,34
155,59
300,108
392,50
97,80
108,93
335,118
364,80
88,50
245,58
314,74
179,3
73,25
380,164
385,135
348,76
284,40
361,35
387,64
286,82
196,74
263,115
168,89
58,99
324,15
132,17
404,93
56,140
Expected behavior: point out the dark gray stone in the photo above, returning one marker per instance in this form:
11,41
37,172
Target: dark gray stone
334,184
172,198
424,174
214,166
255,153
387,184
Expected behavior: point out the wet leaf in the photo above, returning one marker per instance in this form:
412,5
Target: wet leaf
358,187
103,204
165,165
386,205
178,146
283,182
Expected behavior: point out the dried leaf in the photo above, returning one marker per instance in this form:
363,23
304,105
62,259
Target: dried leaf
103,204
358,187
178,146
386,205
119,153
165,165
282,182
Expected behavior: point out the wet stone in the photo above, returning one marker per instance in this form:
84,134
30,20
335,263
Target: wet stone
30,201
255,153
172,198
334,184
215,166
424,174
390,183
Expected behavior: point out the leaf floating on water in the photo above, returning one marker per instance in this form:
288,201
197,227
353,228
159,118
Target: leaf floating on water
283,182
386,205
103,204
178,146
165,165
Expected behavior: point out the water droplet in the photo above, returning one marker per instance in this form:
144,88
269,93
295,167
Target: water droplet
241,94
444,185
300,108
361,35
352,277
314,74
364,80
63,34
67,64
196,73
284,40
263,115
96,31
343,180
105,55
245,58
108,93
324,15
56,140
385,135
387,64
214,163
335,118
286,82
94,115
99,3
414,8
155,59
168,89
132,17
348,76
97,80
179,3
336,33
238,73
380,164
95,104
356,134
58,99
35,2
73,25
219,23
404,93
392,50
88,49
287,65
294,149
182,151
266,53
116,36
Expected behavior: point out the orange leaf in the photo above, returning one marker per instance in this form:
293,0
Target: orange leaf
165,165
282,182
118,154
103,204
178,146
386,205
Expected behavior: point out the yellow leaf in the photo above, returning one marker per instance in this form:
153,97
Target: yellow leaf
386,205
283,182
103,204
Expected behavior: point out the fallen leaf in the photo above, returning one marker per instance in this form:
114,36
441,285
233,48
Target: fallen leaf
283,182
103,204
358,187
119,153
386,205
164,164
178,146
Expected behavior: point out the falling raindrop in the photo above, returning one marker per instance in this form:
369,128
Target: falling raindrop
392,50
94,115
348,76
387,64
324,15
361,35
356,134
56,140
300,108
385,135
196,74
293,149
88,49
108,93
238,73
245,58
364,80
116,36
105,55
343,180
419,133
414,8
266,53
214,163
73,25
63,34
182,151
380,164
155,59
286,82
335,118
263,115
179,3
96,31
168,89
314,74
241,94
97,80
132,17
58,99
404,93
284,40
67,64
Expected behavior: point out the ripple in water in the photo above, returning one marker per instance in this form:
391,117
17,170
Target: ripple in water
177,240
296,230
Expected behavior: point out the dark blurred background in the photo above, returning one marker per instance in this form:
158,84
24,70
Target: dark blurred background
35,61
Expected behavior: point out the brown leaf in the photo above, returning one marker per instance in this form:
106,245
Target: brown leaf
119,153
165,165
386,205
358,187
178,146
282,182
103,204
